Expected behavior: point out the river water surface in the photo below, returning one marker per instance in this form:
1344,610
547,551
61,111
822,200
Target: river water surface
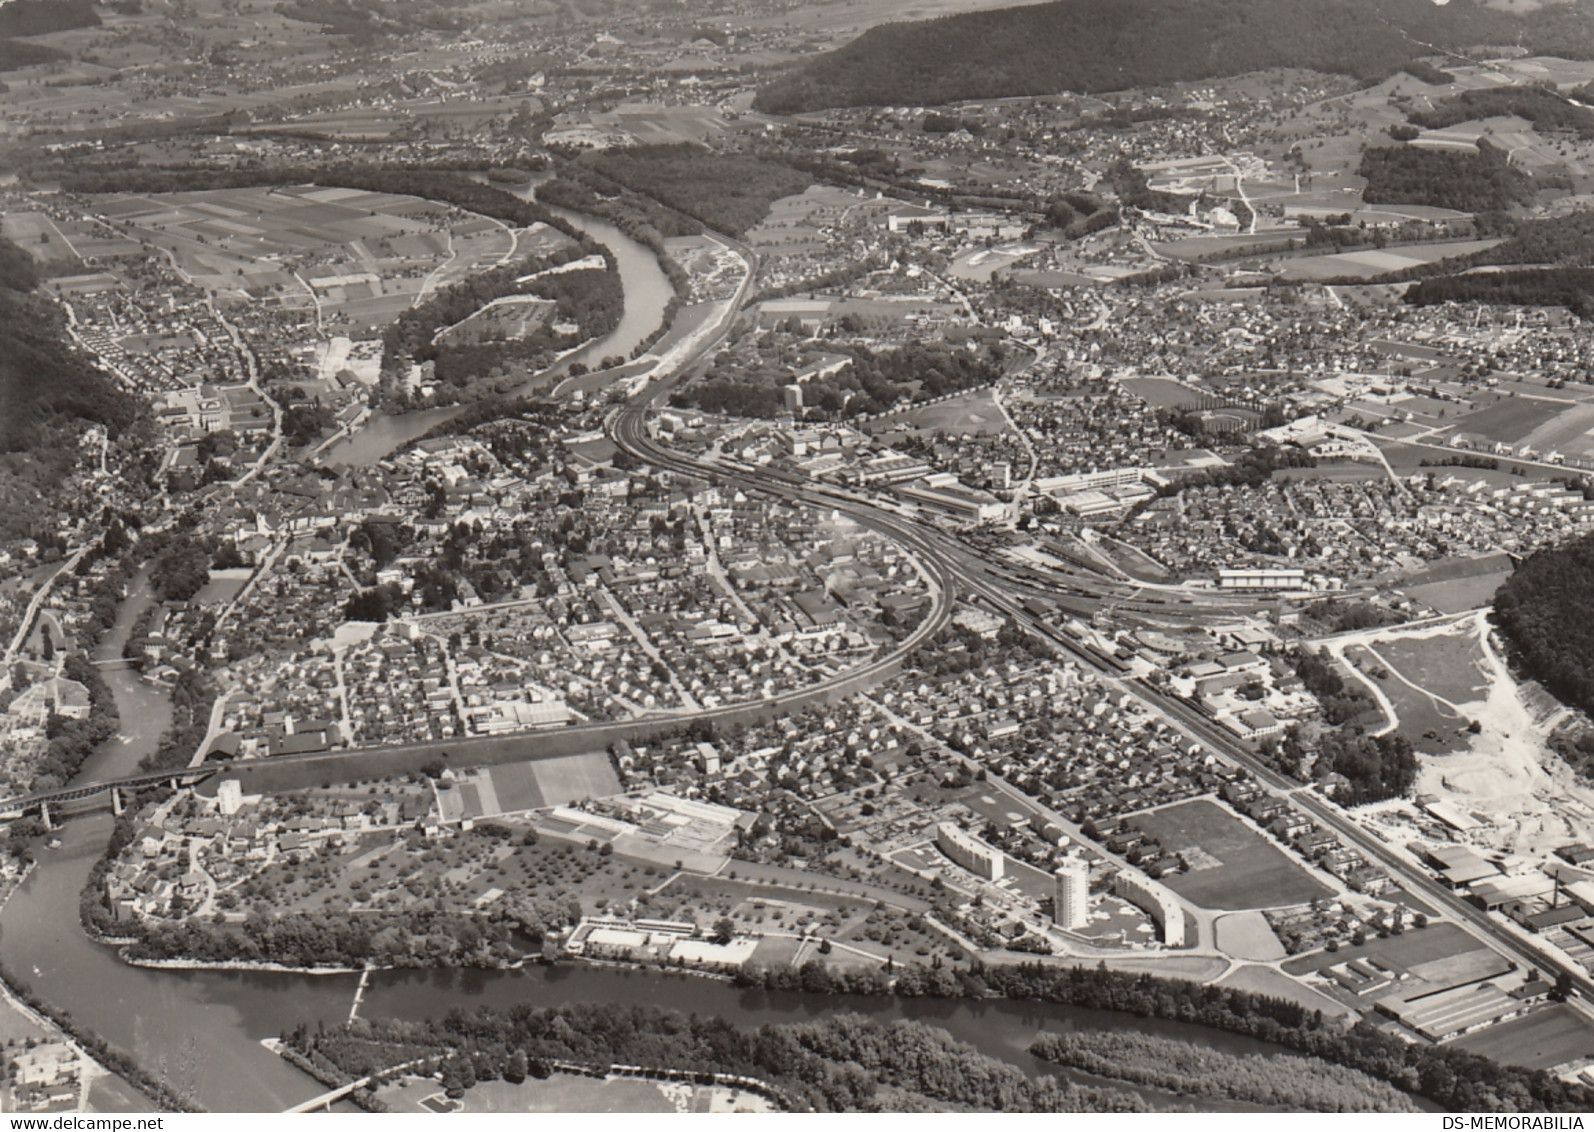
647,293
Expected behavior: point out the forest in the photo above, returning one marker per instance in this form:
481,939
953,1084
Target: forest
875,381
50,391
1427,72
1569,287
839,1063
1546,109
1565,240
591,300
1103,45
1293,1083
728,193
40,17
1546,611
912,1061
1466,182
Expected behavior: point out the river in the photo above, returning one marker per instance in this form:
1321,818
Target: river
647,293
202,1029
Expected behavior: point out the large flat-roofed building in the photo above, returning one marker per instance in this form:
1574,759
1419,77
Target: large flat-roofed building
942,493
1262,579
1156,901
1071,901
969,851
1451,1013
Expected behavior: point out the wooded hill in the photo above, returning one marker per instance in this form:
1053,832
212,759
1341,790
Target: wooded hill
1546,610
48,391
1101,45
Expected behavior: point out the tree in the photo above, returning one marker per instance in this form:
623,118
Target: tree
724,930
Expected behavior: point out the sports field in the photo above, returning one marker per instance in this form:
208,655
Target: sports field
1161,392
974,412
513,788
1250,873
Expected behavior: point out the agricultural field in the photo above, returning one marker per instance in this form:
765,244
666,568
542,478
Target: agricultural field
1457,586
1571,433
1368,262
1512,420
353,259
657,124
793,224
1251,873
1542,1040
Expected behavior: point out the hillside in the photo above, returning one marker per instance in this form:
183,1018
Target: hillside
48,391
1101,45
39,17
1546,611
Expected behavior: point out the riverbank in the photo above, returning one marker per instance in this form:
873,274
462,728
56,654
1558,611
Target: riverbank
237,965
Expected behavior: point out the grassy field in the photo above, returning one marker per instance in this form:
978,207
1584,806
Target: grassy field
1511,420
1432,727
1160,392
1253,874
1265,980
1368,262
559,1093
1542,1040
1246,935
1447,665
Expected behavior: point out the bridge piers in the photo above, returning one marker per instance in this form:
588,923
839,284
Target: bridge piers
116,801
44,815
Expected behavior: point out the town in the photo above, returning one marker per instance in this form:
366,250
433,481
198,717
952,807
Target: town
551,508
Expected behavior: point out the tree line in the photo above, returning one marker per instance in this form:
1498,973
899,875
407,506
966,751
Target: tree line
843,1063
1546,109
1569,287
1281,1080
